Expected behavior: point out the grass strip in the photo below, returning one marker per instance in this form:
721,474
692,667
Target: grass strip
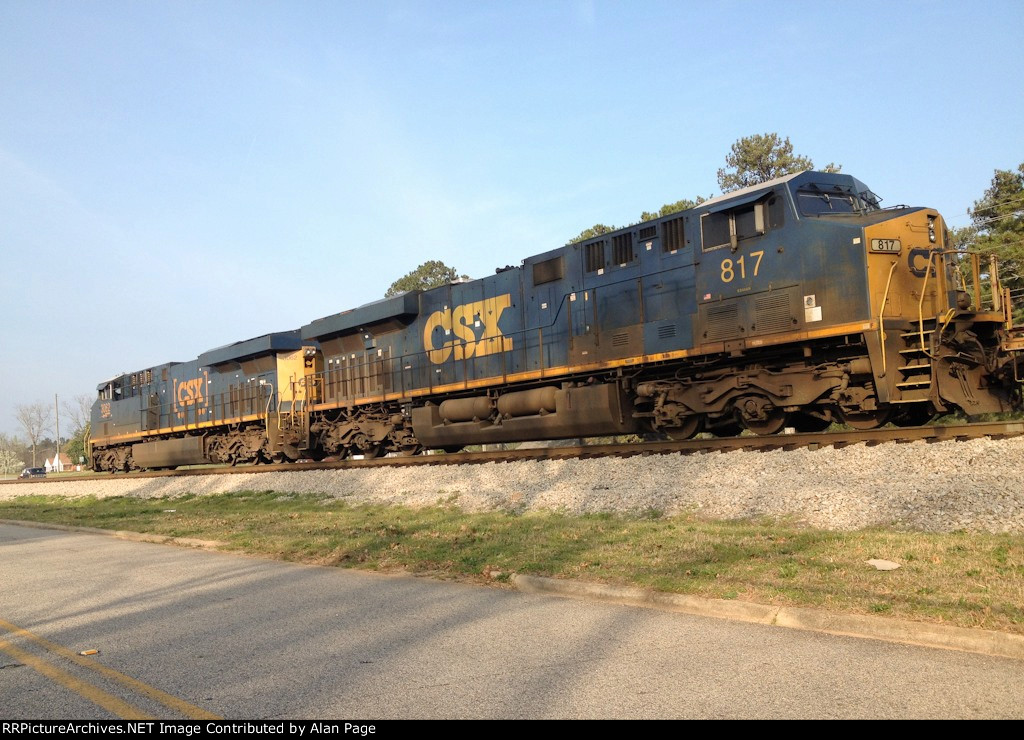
963,579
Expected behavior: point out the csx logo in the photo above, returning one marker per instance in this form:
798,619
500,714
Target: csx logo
190,392
464,322
918,260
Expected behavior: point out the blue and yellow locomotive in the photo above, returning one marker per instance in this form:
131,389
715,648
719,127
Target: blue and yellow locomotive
796,302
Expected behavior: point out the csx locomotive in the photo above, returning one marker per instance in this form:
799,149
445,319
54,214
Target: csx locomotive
797,302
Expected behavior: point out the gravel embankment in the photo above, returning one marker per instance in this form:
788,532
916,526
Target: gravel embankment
940,487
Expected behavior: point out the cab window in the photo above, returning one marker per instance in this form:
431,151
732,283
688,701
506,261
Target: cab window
730,227
830,200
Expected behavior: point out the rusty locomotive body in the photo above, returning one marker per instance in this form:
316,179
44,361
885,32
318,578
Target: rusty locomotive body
797,302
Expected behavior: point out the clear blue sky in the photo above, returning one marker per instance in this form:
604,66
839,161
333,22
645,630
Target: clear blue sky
175,176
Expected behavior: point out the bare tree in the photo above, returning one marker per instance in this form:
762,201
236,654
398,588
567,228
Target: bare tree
79,410
35,420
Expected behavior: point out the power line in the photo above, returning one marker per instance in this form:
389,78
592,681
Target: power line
985,206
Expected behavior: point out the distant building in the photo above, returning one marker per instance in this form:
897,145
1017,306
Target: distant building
58,464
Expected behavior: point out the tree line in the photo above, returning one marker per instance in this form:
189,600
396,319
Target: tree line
997,228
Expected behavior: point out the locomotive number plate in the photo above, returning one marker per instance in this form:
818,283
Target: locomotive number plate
886,246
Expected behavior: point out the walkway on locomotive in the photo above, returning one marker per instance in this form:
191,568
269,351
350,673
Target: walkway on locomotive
745,270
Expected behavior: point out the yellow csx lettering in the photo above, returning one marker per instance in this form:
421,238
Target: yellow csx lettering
463,322
190,392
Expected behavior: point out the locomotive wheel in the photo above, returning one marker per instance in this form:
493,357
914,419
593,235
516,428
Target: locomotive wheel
360,444
687,430
866,419
913,415
409,450
370,451
774,423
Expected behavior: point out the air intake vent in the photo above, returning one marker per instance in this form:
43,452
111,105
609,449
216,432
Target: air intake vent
666,331
622,249
594,256
772,314
620,340
673,235
723,321
548,270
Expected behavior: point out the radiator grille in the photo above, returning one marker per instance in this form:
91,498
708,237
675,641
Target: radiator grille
666,331
771,313
723,321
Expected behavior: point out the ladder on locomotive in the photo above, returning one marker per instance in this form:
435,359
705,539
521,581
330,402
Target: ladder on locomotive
915,367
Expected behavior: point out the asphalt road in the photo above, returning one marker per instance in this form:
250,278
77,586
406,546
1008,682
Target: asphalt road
184,633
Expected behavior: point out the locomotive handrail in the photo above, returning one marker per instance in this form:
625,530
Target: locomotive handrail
881,313
266,414
357,372
938,258
921,302
993,271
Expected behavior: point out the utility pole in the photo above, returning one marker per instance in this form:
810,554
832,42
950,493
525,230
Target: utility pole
56,408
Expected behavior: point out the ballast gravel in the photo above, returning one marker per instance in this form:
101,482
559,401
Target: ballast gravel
975,485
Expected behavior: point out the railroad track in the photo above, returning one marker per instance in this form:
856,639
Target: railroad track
813,441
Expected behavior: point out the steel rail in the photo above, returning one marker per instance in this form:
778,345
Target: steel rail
811,441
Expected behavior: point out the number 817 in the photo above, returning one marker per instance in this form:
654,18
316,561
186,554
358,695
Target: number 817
730,267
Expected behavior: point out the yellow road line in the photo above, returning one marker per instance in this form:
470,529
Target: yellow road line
189,711
111,703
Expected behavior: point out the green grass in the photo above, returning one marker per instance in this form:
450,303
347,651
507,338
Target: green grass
965,579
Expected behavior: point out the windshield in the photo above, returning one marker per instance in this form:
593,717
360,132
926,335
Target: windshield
828,200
